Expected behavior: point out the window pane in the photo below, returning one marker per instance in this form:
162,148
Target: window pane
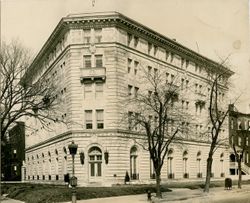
99,169
92,169
88,115
87,91
98,61
99,115
99,119
88,119
89,126
87,61
98,35
99,90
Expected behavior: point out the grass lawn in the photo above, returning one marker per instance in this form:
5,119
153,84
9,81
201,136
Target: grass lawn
42,193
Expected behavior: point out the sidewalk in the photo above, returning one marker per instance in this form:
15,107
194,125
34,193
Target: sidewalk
7,200
178,195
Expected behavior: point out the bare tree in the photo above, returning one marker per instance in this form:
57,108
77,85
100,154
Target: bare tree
217,114
153,111
20,96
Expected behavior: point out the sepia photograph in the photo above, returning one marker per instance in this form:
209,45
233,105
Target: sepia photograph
141,101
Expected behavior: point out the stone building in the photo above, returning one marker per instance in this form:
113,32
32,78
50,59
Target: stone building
95,61
239,135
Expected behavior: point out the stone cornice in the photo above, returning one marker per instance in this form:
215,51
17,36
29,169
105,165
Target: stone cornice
104,132
114,19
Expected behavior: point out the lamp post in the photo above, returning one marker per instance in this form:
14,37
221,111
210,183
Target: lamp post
73,181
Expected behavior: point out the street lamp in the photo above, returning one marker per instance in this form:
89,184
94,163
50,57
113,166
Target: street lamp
73,181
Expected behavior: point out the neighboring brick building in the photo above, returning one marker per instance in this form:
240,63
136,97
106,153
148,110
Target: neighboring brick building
96,61
239,135
13,153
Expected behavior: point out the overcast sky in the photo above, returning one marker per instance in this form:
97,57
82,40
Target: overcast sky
214,28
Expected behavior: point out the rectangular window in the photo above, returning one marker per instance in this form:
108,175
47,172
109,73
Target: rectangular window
129,90
155,50
187,104
87,61
88,119
187,84
98,35
182,104
130,119
155,72
167,78
136,91
136,40
129,38
187,63
200,88
196,88
182,84
87,91
99,119
149,70
182,62
129,65
98,90
86,38
136,63
149,47
172,78
167,55
98,61
172,57
196,67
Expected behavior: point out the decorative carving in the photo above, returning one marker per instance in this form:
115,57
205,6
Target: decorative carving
92,48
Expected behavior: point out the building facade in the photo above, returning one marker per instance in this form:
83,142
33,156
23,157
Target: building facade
13,153
96,61
239,135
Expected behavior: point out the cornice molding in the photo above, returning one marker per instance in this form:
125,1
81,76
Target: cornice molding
114,19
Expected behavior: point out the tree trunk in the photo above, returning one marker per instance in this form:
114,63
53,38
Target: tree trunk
208,175
240,174
158,185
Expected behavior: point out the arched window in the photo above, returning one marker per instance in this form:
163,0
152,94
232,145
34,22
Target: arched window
222,174
198,159
56,164
233,164
133,163
56,168
65,171
95,162
49,165
185,160
170,164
